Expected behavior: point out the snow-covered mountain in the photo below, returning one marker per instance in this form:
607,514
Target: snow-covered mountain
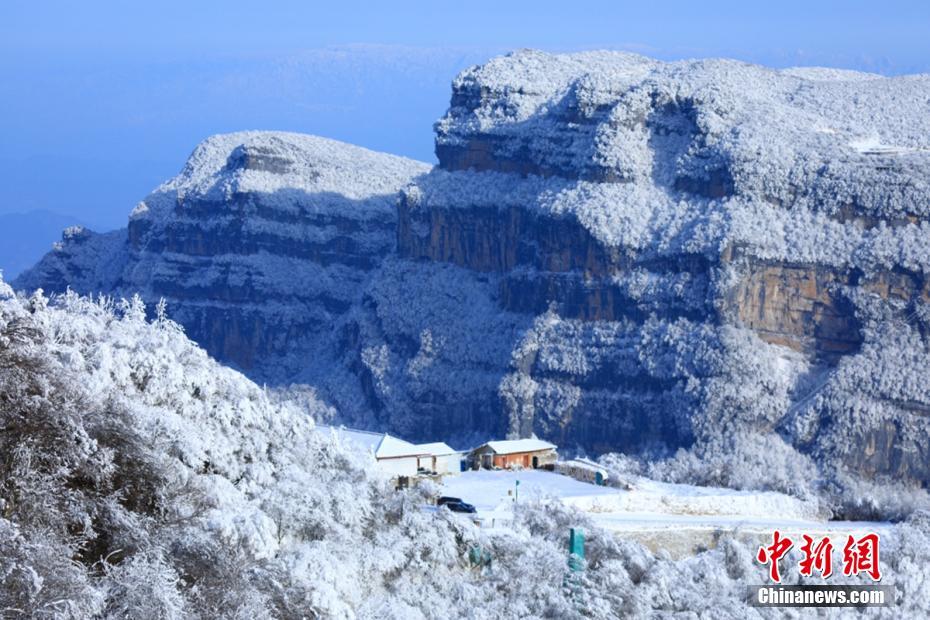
260,244
614,253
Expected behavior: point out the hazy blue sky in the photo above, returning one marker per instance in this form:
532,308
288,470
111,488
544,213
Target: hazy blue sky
103,100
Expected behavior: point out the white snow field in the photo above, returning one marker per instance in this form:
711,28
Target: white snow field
679,518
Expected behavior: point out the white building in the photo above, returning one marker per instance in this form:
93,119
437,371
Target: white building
393,455
397,457
442,459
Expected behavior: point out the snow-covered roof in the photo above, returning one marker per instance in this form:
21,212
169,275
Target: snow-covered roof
512,446
437,448
381,445
391,447
365,439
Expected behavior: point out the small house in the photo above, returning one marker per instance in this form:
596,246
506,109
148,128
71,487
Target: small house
439,458
526,453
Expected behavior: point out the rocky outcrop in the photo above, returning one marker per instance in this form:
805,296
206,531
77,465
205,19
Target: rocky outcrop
613,253
797,306
664,203
261,244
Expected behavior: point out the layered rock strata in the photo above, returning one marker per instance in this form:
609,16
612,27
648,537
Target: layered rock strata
613,253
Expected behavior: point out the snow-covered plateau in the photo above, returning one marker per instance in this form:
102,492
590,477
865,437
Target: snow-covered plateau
700,273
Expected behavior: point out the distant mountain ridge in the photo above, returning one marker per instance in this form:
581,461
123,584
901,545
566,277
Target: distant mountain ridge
614,253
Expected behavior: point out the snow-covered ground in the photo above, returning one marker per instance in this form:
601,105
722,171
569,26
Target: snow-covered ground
676,517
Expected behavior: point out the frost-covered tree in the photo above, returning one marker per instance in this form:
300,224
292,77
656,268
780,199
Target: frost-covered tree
141,479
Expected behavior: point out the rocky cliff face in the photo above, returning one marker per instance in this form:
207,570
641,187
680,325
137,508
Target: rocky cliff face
613,253
680,227
260,245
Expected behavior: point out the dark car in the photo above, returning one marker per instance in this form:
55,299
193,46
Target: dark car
455,504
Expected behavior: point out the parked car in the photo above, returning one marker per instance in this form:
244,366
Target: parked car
455,504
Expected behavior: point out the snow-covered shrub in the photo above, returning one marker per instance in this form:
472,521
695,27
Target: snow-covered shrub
852,497
140,478
744,460
38,577
143,585
621,465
